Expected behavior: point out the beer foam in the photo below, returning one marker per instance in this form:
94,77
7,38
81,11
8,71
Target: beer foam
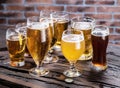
39,25
82,25
99,32
72,38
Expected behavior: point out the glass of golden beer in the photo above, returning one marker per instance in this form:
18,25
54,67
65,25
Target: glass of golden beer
61,25
72,45
100,37
16,47
38,43
22,27
85,24
46,15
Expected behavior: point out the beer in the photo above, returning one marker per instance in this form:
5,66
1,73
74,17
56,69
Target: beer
60,26
99,43
86,27
72,47
16,48
38,41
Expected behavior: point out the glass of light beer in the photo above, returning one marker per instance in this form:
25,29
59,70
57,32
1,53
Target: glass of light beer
61,25
72,45
85,24
22,27
46,15
100,39
16,47
38,43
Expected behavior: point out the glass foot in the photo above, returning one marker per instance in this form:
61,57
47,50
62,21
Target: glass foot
51,59
71,73
38,71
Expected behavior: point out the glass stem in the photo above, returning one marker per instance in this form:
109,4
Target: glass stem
72,67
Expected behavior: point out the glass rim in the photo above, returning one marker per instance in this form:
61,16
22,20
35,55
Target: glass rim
75,19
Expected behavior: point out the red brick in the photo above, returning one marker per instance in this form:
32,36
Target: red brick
10,14
116,16
72,15
108,9
103,22
74,2
111,30
118,2
114,37
117,42
100,2
28,14
118,30
80,9
20,7
56,8
14,1
2,20
39,1
100,16
115,23
15,21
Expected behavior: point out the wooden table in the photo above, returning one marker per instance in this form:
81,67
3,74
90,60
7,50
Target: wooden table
11,77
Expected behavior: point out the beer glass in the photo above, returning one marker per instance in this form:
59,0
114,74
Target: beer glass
61,25
100,39
16,47
72,45
46,15
85,24
38,43
22,27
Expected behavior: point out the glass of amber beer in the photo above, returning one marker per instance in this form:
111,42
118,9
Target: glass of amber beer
46,15
38,43
16,47
100,39
22,27
61,25
72,45
86,25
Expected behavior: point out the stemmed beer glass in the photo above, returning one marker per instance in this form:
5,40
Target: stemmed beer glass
72,45
38,43
46,15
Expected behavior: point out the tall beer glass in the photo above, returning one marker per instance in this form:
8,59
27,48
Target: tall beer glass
38,43
22,27
100,39
72,45
86,25
61,25
16,47
46,15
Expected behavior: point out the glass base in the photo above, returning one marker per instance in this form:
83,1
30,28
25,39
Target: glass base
38,71
85,57
17,63
51,59
71,73
98,67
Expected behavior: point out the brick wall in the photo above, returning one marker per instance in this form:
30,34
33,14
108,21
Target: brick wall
104,11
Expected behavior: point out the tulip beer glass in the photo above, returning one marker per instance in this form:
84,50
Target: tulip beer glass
72,45
38,43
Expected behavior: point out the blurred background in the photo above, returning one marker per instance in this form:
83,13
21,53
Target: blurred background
106,12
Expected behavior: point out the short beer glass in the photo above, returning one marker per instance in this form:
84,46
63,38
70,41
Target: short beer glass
100,39
86,25
72,45
16,47
38,43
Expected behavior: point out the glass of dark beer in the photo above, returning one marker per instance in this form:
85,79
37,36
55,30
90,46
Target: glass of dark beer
100,37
